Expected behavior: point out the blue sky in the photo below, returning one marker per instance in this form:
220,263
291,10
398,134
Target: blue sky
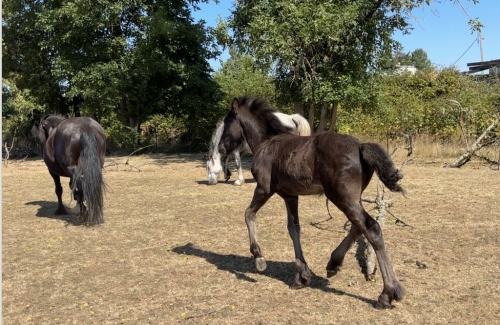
441,30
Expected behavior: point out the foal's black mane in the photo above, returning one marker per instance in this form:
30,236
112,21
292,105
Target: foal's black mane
264,113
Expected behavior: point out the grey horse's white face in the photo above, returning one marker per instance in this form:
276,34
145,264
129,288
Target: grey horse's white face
214,168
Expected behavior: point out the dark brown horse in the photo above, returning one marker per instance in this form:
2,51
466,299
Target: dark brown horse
336,165
75,148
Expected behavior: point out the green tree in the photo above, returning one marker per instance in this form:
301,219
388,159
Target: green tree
240,75
25,63
321,51
420,60
318,49
126,60
444,105
417,58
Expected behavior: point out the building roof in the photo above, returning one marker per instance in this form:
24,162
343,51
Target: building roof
480,66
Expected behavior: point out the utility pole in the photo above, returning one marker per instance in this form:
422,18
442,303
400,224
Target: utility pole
481,47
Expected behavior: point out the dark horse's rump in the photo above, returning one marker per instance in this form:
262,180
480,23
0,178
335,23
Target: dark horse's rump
75,148
337,165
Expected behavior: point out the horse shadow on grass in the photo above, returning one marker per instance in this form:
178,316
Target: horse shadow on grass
47,210
243,268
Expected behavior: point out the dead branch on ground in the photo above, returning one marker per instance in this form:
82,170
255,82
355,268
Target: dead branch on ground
127,161
317,224
383,203
488,160
478,144
9,149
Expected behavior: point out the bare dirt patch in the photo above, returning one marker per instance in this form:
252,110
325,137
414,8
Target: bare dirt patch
175,250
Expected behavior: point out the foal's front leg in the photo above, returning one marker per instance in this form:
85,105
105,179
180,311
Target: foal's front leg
260,197
302,272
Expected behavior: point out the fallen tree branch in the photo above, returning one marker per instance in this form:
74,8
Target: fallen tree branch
478,144
398,220
127,162
8,150
367,200
129,156
317,224
488,160
204,314
365,249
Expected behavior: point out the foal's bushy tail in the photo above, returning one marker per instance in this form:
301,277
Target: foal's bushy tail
88,177
377,158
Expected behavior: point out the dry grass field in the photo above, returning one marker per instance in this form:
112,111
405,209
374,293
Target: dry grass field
174,250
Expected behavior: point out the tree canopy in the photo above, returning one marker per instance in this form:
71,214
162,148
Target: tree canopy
142,69
240,74
321,52
128,59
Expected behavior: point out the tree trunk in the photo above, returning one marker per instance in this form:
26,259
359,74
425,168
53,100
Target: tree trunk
311,116
333,121
322,120
466,157
77,100
298,108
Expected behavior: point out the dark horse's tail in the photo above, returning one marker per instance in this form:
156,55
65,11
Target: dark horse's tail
88,177
377,158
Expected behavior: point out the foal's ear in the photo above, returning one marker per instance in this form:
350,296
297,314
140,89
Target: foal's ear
235,104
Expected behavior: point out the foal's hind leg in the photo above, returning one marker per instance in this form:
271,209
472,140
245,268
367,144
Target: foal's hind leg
369,227
59,191
237,159
337,256
302,272
260,197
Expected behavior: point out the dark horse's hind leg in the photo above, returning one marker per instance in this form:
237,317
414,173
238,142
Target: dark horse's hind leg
78,196
75,197
83,209
260,197
337,256
59,191
363,223
302,272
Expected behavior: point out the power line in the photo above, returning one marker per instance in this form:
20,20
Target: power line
466,50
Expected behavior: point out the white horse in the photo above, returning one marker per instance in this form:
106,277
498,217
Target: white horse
296,122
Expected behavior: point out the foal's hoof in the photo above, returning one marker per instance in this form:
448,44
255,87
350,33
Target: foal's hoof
81,219
389,295
382,305
260,264
330,273
238,182
297,286
302,279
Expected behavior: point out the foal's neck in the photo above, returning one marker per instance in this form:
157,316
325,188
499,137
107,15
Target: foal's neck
254,137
